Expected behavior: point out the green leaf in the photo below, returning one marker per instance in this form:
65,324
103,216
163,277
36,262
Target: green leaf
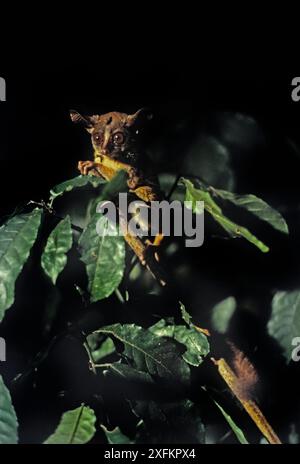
102,248
148,353
196,343
58,244
100,346
284,323
8,418
258,207
104,257
236,430
234,230
222,314
75,427
185,315
116,437
129,373
17,237
117,184
75,182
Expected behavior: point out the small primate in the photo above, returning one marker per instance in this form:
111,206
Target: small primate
115,139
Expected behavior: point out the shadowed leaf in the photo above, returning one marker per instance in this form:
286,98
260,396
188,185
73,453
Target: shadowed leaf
76,182
222,313
197,346
284,323
258,207
148,353
195,195
116,437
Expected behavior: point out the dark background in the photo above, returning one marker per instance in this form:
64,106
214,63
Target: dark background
37,135
253,119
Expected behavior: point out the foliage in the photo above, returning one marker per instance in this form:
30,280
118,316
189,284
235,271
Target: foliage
17,236
284,323
58,244
222,313
76,427
237,431
8,418
152,362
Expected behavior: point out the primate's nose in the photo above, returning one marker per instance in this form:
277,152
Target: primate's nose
105,141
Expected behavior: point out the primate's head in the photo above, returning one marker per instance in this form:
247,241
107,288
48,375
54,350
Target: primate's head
113,134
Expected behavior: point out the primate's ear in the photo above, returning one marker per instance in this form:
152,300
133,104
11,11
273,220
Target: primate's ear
140,116
86,121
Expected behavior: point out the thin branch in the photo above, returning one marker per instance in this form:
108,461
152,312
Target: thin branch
48,209
233,381
92,365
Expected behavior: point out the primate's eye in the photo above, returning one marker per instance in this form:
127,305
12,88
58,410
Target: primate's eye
118,138
97,137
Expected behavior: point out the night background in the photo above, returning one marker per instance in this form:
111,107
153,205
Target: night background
236,133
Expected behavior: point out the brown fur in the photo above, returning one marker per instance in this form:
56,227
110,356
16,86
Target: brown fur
246,374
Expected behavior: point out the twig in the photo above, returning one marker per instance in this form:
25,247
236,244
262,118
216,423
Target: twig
48,209
92,364
249,405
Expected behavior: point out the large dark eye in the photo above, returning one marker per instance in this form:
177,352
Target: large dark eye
97,137
118,138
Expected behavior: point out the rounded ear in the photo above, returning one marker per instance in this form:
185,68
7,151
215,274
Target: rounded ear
86,121
141,115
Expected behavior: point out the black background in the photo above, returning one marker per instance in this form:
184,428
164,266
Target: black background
40,147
